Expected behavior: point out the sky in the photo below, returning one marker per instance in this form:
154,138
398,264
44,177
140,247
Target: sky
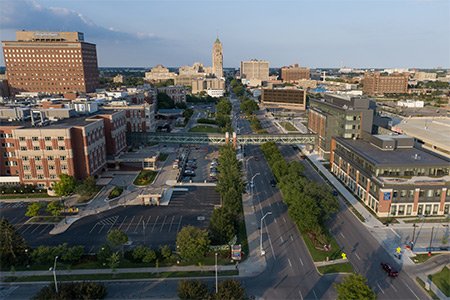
313,33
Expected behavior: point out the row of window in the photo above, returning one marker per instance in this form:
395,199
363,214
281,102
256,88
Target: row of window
17,50
49,157
39,167
37,148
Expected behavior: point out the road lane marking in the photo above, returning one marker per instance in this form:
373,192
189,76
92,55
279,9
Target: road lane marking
275,219
284,219
148,220
130,224
95,225
179,224
121,224
300,293
342,235
278,203
28,227
292,238
154,224
409,288
165,217
314,292
395,233
171,223
289,261
301,261
101,229
137,226
357,256
380,287
281,238
394,288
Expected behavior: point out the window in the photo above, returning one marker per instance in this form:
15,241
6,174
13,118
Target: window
38,167
21,138
40,176
62,148
48,148
35,139
427,209
408,210
36,148
446,209
63,167
25,158
23,148
60,138
435,209
48,138
50,157
420,209
37,158
62,157
401,210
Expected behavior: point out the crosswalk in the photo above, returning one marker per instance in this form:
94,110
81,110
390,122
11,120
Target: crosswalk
5,291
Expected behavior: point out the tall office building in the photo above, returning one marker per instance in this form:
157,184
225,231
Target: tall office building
255,70
294,73
50,62
217,59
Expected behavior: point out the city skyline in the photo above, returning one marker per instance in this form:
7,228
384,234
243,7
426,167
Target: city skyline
372,34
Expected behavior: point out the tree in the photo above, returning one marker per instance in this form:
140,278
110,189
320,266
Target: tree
192,289
192,243
33,209
221,227
13,248
103,254
139,252
54,208
223,107
87,187
166,252
117,238
65,186
72,290
114,261
72,254
354,287
150,256
230,289
164,101
248,106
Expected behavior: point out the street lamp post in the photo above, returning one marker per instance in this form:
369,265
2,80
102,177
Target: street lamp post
260,238
251,181
217,286
54,274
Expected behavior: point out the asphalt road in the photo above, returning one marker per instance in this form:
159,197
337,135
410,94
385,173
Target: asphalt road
148,225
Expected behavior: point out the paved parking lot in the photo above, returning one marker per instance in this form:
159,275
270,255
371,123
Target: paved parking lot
204,156
148,225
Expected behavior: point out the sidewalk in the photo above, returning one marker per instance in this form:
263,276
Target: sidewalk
120,271
433,287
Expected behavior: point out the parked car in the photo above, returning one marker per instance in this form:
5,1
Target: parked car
389,270
273,183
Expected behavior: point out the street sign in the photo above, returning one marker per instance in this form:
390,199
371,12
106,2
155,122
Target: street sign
236,252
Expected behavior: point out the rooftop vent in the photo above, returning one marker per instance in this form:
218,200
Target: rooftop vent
416,156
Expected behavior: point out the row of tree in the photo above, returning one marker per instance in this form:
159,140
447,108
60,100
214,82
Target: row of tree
72,290
68,184
195,289
223,111
165,102
237,87
248,106
53,208
310,205
225,220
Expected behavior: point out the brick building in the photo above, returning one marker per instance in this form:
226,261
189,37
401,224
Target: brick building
294,73
284,98
378,84
50,62
391,176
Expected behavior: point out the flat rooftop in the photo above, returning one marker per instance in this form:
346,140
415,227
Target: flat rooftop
434,131
393,158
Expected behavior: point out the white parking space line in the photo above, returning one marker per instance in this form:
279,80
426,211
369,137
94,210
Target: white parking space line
275,220
121,224
137,226
12,220
93,227
393,287
28,227
154,224
165,217
148,221
171,223
300,293
115,220
289,261
341,234
179,224
357,256
44,229
36,228
315,296
281,238
301,261
130,224
380,287
284,219
103,226
292,238
91,249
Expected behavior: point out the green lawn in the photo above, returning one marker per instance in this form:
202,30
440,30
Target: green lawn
321,255
430,292
427,220
163,156
115,192
46,219
442,280
288,126
205,129
119,276
337,268
420,258
145,177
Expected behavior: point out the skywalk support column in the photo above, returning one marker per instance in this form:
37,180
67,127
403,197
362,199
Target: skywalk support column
234,140
227,138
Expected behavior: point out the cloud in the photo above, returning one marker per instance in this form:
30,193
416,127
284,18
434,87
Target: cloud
30,15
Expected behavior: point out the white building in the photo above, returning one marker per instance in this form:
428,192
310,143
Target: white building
215,93
410,103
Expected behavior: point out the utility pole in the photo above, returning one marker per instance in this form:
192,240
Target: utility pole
54,274
260,238
431,241
217,281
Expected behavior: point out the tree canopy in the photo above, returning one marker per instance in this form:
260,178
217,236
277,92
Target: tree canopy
192,290
13,248
192,243
354,287
65,186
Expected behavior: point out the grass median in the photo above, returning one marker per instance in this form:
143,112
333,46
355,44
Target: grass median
205,129
145,177
321,255
441,280
336,268
430,292
120,276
